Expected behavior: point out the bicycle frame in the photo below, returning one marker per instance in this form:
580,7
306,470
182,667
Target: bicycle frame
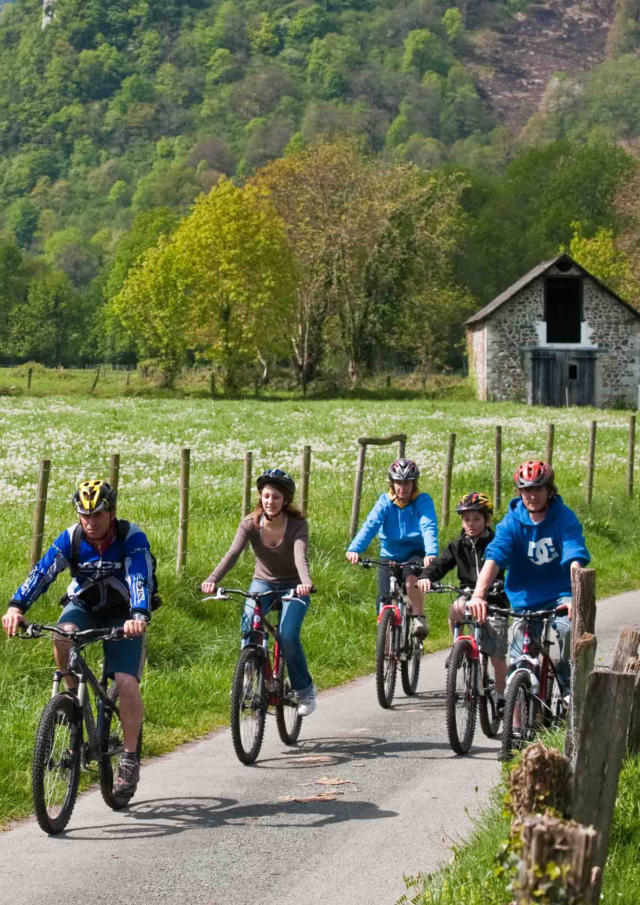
534,658
262,628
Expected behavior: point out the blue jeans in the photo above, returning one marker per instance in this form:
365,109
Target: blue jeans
293,612
563,629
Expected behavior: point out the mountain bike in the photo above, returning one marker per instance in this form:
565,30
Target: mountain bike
260,680
534,695
396,642
471,684
61,748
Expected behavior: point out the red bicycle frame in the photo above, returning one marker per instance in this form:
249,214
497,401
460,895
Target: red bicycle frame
396,613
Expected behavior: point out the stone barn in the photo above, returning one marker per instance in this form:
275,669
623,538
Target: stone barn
558,336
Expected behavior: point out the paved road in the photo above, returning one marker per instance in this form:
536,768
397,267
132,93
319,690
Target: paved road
205,829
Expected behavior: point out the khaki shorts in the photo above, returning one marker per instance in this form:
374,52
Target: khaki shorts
494,634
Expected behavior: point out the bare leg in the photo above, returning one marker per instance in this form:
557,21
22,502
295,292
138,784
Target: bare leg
130,709
500,670
61,649
415,595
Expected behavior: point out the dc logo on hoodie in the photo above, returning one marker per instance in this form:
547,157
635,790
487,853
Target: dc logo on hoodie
542,551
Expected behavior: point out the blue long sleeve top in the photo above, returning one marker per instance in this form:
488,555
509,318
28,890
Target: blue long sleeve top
403,530
538,555
124,569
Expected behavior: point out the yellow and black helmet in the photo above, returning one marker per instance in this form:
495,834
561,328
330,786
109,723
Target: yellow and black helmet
475,502
94,496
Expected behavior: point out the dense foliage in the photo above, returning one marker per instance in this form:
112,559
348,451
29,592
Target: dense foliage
116,116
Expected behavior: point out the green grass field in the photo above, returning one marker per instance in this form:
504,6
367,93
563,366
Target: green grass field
192,646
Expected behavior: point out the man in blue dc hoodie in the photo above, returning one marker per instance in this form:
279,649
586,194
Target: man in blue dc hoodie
540,541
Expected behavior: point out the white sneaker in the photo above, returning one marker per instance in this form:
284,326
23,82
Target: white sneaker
307,702
420,627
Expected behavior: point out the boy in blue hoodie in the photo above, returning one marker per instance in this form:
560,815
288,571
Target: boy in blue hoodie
405,521
540,541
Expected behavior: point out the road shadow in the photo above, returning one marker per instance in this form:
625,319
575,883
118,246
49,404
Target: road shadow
159,817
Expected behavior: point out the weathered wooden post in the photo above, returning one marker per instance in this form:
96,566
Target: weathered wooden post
40,510
569,849
446,484
626,647
548,456
29,376
95,379
583,651
633,736
357,489
212,382
183,517
631,452
583,616
497,471
114,471
402,442
246,483
591,460
607,707
304,488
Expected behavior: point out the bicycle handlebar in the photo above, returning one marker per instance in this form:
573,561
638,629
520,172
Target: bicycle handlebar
86,636
389,563
223,594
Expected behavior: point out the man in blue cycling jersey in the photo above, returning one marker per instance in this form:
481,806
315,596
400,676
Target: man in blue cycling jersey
112,574
540,541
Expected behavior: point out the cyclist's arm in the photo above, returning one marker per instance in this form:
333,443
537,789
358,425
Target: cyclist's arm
478,603
573,544
230,558
439,566
54,561
12,620
138,570
300,547
428,525
370,527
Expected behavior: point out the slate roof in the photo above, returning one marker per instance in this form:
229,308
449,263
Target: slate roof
537,271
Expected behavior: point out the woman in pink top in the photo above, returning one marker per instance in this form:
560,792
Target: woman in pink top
277,532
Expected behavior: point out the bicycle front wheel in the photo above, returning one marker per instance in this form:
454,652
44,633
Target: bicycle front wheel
461,697
112,748
410,668
56,763
386,658
517,727
248,705
288,721
555,710
488,703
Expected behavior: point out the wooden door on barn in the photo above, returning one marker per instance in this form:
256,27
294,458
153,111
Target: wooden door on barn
563,377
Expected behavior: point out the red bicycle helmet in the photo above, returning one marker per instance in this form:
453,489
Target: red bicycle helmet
533,473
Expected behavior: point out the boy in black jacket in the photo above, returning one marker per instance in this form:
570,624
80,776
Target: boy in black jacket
466,553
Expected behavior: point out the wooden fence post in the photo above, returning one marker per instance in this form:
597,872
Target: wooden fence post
541,780
357,489
548,456
631,454
626,646
583,616
584,656
246,483
41,507
29,376
114,471
497,472
95,380
446,484
633,736
183,518
601,749
566,847
591,460
304,489
402,442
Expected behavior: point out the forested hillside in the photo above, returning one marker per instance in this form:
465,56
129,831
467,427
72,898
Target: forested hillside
115,116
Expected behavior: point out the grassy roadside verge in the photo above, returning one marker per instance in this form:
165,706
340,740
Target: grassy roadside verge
476,876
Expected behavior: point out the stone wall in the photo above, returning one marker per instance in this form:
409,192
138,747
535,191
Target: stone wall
500,345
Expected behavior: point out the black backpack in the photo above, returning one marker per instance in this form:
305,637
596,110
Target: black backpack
122,529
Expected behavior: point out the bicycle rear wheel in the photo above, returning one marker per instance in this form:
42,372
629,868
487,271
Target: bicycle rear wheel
112,748
488,703
461,697
517,727
288,721
386,658
56,763
248,705
410,668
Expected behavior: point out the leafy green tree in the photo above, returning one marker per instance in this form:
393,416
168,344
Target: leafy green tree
21,218
600,256
44,326
264,38
423,51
